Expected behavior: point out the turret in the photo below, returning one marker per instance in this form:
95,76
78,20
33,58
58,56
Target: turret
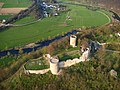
73,39
54,66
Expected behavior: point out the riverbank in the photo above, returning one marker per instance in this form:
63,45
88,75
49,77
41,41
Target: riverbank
39,45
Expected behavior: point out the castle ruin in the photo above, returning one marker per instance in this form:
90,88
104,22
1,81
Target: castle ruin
73,40
56,65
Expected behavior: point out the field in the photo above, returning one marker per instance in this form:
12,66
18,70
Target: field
5,11
52,26
15,3
4,17
12,7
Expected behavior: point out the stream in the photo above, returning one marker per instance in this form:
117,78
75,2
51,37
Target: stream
39,45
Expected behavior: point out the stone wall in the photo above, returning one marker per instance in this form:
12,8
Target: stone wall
73,39
74,61
36,71
55,65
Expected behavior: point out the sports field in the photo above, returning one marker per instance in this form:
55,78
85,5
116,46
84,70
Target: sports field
15,3
79,16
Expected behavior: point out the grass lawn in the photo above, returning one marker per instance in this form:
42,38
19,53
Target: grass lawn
16,3
5,17
80,16
27,19
65,57
36,65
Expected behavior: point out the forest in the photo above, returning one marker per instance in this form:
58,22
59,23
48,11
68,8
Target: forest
109,4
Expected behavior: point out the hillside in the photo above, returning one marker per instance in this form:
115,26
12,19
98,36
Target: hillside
110,4
91,75
81,44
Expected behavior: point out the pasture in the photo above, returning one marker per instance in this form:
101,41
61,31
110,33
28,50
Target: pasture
5,17
5,11
51,26
15,3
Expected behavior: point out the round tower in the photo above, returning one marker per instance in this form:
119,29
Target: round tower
54,66
73,39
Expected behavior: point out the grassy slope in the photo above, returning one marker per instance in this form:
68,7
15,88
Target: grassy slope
52,26
87,17
16,3
83,76
4,17
6,61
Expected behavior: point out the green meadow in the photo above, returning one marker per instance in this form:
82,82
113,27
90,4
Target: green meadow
15,3
52,26
5,17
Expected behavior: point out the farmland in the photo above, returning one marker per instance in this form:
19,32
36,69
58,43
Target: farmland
4,17
15,3
51,26
10,7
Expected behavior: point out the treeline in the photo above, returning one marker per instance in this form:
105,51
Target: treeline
91,75
110,4
8,71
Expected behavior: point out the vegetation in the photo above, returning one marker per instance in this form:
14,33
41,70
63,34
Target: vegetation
65,56
85,75
81,17
25,20
109,4
5,17
113,46
6,61
16,3
91,75
37,65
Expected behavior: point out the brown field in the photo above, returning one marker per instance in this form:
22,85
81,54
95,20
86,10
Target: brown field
1,4
4,11
10,10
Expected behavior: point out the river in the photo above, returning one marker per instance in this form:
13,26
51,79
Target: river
39,45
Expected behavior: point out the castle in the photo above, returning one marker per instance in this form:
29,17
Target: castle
56,65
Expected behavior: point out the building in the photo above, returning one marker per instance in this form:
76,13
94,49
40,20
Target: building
54,67
73,40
